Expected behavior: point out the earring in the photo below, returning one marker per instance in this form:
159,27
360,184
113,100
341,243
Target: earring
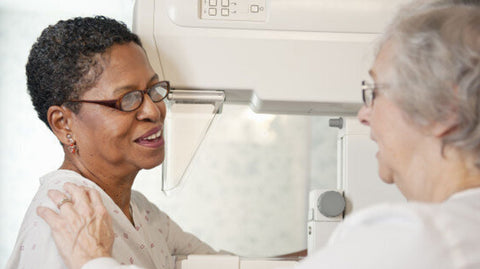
73,145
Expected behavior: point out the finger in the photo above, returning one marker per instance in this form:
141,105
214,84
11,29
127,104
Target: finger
59,198
62,235
68,217
61,230
78,193
95,197
102,226
80,199
101,214
50,216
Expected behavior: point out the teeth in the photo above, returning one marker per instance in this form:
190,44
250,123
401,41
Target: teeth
154,136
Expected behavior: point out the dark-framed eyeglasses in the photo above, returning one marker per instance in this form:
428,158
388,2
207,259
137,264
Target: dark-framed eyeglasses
133,99
369,92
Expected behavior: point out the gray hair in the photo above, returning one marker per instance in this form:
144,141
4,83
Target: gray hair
435,72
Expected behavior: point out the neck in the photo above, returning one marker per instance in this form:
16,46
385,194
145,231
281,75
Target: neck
444,176
463,173
117,186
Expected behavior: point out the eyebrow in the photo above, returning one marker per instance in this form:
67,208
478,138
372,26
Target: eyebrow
133,87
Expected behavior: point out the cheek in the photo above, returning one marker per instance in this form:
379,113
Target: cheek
115,134
387,142
163,109
101,130
390,145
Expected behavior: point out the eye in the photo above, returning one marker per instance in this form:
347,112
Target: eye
131,101
158,92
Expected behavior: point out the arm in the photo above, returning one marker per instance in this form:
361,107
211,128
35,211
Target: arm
82,230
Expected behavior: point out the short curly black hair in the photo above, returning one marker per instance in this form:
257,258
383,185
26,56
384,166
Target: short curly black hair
65,61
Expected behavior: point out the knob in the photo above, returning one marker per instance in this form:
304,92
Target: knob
338,123
331,204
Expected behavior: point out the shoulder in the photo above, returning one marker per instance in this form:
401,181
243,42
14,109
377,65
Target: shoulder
34,244
56,179
404,213
409,217
143,204
387,236
32,223
140,200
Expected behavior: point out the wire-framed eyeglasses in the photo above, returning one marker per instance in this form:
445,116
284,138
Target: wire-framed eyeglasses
369,92
133,99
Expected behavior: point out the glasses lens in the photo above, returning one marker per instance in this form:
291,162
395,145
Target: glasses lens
367,93
364,97
368,97
131,101
158,91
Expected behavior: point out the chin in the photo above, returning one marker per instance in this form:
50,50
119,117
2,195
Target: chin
152,163
385,176
386,180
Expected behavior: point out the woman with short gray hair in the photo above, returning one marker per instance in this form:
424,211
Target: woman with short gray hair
423,110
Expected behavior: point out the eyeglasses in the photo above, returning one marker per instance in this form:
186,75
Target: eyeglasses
369,91
133,99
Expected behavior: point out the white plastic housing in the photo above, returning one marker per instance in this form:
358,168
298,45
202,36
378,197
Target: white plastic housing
307,56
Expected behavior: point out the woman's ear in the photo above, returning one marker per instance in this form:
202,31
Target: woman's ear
60,119
449,121
440,129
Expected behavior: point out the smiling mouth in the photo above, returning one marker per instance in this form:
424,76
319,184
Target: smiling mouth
154,140
154,136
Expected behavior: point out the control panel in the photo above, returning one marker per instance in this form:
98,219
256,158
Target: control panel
233,10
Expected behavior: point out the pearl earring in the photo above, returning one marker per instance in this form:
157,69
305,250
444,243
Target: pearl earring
73,144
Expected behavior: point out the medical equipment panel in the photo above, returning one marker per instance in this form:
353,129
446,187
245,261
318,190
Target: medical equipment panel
280,57
307,57
233,10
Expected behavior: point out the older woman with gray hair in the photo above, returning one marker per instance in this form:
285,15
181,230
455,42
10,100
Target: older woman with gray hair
423,109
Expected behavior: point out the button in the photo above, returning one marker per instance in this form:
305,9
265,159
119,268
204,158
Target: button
331,204
225,3
254,8
225,12
212,3
212,11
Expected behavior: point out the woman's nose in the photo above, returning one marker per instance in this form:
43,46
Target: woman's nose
150,110
363,115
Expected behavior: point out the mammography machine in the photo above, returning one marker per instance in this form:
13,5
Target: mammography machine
301,57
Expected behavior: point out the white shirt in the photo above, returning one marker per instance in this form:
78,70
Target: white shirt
150,244
413,236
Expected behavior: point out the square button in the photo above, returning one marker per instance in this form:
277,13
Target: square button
212,2
225,12
212,11
254,8
225,3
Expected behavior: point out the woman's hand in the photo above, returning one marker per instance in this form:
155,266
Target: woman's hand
82,230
